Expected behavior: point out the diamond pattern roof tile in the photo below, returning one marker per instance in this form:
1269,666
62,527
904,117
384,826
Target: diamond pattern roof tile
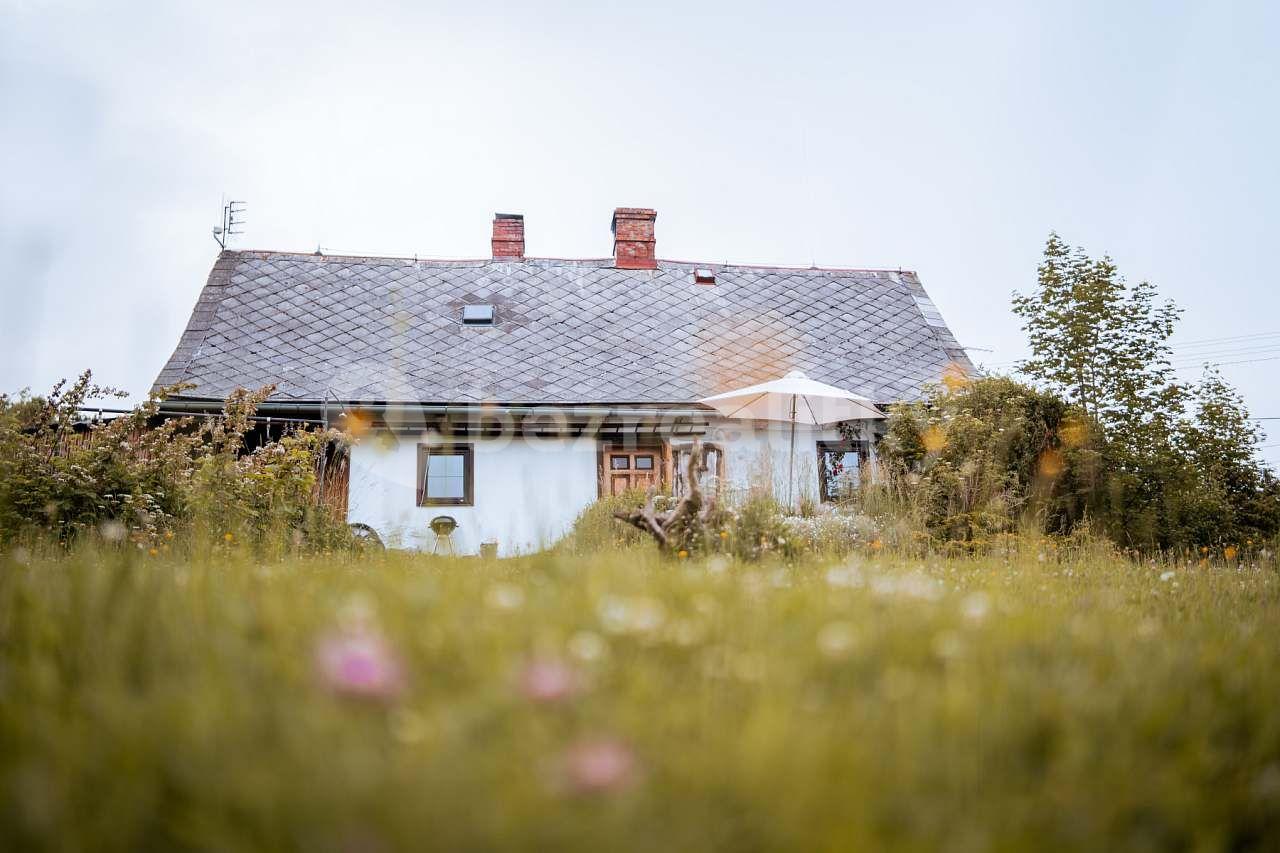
568,331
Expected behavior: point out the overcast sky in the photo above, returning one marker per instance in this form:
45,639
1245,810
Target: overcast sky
949,140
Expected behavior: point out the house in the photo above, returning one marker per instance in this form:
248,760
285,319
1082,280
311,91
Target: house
511,392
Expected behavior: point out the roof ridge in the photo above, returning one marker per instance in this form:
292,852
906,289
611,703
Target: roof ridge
482,261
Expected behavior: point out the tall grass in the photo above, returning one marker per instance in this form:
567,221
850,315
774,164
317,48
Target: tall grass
1054,698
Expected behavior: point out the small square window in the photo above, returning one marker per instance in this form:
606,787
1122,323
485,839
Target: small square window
644,463
478,315
445,475
619,463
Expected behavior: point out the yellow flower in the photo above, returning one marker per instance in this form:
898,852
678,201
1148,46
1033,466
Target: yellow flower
227,537
1230,552
168,534
877,545
934,438
153,552
724,534
682,553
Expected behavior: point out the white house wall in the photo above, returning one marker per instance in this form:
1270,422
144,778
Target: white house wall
758,453
528,492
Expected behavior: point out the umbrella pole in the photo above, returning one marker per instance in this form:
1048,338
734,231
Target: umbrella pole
791,457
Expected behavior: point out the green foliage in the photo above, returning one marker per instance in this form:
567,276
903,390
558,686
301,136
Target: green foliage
1099,341
596,530
876,703
1174,467
757,527
142,477
980,458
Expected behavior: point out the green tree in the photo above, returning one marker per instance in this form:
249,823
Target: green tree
1177,464
1100,342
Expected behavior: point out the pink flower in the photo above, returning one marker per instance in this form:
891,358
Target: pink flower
549,680
360,664
599,765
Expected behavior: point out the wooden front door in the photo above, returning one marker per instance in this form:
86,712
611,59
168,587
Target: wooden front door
631,469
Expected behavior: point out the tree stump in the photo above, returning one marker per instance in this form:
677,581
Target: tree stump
676,528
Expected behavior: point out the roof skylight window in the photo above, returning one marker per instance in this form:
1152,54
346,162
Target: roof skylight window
478,315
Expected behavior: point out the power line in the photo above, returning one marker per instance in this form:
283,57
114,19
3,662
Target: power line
1224,340
1227,363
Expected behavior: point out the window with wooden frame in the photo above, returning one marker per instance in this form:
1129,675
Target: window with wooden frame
446,475
709,478
627,468
839,469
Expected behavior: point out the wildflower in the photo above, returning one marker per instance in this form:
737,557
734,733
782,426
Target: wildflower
876,545
631,615
910,585
599,766
1166,576
228,537
1230,552
359,664
504,596
153,552
168,534
844,576
975,607
836,639
717,564
682,553
113,531
549,680
724,534
588,646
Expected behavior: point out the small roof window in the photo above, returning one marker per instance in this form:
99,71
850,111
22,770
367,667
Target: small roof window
478,315
703,275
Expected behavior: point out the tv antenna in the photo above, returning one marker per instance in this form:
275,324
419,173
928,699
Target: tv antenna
232,212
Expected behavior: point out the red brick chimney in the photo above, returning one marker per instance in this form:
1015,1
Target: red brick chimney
508,236
633,238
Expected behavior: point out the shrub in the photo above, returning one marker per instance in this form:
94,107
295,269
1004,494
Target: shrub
972,460
142,476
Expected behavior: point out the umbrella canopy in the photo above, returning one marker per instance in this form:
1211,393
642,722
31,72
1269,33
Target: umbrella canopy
795,398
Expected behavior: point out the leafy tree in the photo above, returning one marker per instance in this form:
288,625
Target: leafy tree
1177,464
1100,342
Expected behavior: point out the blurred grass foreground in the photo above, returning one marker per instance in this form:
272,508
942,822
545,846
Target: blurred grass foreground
1038,699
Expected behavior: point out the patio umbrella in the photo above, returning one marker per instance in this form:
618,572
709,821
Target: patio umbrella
795,398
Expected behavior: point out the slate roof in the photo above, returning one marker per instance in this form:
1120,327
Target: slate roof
568,331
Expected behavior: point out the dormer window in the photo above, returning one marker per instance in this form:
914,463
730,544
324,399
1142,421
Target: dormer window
703,275
478,315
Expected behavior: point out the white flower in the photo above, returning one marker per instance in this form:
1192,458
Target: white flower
837,639
621,615
844,576
1166,576
975,607
588,646
504,596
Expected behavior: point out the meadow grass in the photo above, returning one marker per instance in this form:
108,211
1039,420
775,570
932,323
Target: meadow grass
1033,701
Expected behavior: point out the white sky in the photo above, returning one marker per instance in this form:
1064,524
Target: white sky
949,139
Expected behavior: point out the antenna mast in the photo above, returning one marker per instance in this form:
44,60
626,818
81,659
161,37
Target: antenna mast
232,213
